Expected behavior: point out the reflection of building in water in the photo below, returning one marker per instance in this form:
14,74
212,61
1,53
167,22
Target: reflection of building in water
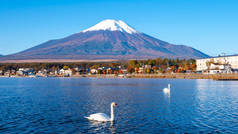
221,64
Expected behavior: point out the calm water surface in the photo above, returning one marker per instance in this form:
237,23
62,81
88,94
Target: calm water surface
58,105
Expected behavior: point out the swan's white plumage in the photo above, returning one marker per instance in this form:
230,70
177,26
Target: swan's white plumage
101,116
167,90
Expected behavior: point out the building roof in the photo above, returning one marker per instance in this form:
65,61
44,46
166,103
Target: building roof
219,56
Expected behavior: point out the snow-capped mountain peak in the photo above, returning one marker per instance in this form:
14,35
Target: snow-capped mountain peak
112,25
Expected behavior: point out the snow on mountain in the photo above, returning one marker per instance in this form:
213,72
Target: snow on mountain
112,25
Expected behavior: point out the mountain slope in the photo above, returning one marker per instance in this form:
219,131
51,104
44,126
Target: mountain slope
108,39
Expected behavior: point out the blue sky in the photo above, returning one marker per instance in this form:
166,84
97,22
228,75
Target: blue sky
207,25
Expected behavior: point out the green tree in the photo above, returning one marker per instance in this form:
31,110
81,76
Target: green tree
66,67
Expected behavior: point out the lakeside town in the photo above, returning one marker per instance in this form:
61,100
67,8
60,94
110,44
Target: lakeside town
122,68
207,68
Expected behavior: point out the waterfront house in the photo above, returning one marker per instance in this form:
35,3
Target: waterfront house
94,71
102,70
147,66
140,70
56,72
66,73
1,72
7,73
13,72
143,69
19,73
109,70
221,64
31,74
124,71
24,71
40,74
62,71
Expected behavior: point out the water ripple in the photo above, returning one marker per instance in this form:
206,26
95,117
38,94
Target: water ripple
59,105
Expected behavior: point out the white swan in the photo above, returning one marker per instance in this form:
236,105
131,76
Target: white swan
167,90
103,117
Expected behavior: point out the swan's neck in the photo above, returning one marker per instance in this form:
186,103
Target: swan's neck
112,113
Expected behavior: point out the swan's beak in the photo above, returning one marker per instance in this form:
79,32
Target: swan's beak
116,105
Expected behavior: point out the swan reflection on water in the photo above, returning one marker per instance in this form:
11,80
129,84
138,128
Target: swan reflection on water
98,125
112,127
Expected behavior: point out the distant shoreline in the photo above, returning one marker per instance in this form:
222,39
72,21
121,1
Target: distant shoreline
177,76
158,76
56,61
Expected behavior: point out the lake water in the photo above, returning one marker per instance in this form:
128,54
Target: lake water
58,105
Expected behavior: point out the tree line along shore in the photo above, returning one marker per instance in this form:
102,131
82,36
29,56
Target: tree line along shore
151,68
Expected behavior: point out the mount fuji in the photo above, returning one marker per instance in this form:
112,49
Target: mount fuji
107,40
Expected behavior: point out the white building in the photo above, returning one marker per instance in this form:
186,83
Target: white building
222,64
94,71
66,73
